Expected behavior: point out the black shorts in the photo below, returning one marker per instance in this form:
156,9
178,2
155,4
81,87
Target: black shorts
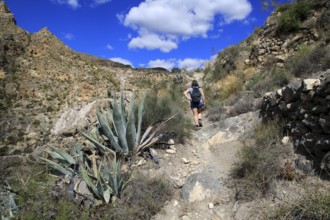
197,105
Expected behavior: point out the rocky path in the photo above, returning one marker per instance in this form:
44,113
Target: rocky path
200,171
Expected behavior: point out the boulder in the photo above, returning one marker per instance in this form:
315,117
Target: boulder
200,186
73,119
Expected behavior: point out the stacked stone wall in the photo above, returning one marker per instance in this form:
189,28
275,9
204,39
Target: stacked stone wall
305,107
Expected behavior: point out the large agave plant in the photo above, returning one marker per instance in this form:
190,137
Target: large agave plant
104,180
120,133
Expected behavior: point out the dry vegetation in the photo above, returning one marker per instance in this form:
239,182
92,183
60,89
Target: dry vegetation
261,163
40,198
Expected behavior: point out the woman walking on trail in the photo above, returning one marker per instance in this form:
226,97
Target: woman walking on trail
196,97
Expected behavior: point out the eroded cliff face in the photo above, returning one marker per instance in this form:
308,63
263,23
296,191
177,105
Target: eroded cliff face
41,78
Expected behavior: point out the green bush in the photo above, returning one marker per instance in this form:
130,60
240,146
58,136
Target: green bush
268,81
308,61
225,62
292,17
157,107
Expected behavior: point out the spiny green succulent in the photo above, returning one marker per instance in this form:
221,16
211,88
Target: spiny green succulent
118,134
120,131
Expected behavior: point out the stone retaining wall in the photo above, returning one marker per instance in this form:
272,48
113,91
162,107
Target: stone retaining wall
305,107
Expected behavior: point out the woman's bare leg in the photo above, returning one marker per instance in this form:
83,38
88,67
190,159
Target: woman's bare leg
195,115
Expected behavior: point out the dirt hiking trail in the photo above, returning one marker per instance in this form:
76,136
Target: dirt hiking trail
200,170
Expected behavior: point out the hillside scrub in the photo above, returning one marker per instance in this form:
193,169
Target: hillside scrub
260,163
309,60
294,14
44,197
313,203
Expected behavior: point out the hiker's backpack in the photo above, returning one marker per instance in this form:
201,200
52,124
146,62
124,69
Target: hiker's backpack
195,94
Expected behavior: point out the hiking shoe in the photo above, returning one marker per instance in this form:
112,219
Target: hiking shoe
200,123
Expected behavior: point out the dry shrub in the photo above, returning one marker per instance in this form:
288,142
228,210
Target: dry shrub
216,112
212,93
268,132
143,199
225,62
40,199
231,84
260,163
245,103
249,73
313,204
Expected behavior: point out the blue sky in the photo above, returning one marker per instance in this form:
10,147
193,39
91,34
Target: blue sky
144,33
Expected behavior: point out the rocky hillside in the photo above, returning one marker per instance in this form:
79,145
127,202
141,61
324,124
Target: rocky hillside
283,35
292,46
41,78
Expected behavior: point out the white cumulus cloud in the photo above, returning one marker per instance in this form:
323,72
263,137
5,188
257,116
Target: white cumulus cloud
167,64
171,20
100,2
187,63
96,3
121,60
151,42
191,64
75,3
72,3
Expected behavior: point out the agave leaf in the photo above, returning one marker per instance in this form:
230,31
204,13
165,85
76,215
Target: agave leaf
94,165
13,206
151,139
54,154
151,142
125,184
99,146
107,195
146,133
111,182
122,106
115,177
131,130
107,132
55,166
76,151
89,182
119,126
139,125
67,157
100,189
